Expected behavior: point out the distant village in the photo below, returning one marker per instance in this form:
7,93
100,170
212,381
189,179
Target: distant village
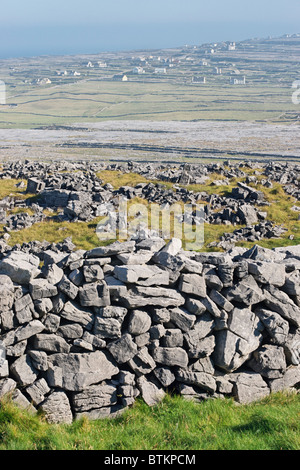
214,64
195,65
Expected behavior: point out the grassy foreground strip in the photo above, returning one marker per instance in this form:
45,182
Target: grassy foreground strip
174,424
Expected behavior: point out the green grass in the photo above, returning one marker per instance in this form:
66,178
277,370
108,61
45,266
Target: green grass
174,424
8,188
118,179
210,188
83,233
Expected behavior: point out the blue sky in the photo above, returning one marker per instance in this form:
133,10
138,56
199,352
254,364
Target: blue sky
32,27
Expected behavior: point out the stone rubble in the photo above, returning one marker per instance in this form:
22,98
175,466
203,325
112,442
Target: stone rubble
71,191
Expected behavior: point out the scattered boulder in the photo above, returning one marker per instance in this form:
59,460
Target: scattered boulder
249,387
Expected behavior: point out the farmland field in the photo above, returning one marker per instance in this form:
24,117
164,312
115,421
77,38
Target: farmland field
72,106
95,101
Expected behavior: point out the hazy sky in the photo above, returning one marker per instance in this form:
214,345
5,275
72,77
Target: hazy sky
31,27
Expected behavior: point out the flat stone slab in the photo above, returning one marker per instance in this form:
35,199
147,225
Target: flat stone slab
20,267
171,356
110,250
78,371
250,387
96,396
144,296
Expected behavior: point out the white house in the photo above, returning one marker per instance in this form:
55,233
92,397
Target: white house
120,78
160,70
138,70
237,81
231,46
43,81
199,80
90,65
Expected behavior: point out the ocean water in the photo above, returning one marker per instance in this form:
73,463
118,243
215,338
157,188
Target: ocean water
35,39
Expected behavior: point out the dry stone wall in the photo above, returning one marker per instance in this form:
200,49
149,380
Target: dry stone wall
84,333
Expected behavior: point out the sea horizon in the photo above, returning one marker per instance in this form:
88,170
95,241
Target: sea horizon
45,40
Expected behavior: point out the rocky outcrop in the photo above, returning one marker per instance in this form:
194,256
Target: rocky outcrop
74,189
89,331
251,233
70,191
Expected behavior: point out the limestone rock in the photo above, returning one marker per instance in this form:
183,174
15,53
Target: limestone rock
27,331
20,267
41,288
158,297
23,371
107,328
96,396
182,318
37,391
7,386
164,375
6,293
151,393
75,313
57,408
280,302
113,249
68,288
95,294
289,379
245,292
139,322
200,379
268,273
234,346
79,371
170,356
52,273
51,343
21,402
250,387
142,363
123,349
193,284
269,361
277,327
